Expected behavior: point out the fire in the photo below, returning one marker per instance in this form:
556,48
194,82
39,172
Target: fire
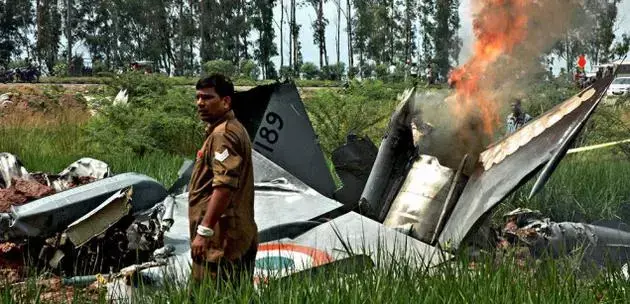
499,26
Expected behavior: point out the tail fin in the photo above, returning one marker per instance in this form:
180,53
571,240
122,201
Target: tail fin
280,129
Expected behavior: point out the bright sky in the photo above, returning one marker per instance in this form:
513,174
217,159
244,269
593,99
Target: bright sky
311,52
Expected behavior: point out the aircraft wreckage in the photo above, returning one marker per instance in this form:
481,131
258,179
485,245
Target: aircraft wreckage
397,198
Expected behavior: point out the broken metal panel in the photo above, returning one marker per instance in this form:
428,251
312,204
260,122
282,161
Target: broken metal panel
592,244
101,218
512,161
356,234
54,213
84,168
392,162
353,162
280,198
418,205
11,168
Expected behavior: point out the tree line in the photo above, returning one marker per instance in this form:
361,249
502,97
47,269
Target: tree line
179,36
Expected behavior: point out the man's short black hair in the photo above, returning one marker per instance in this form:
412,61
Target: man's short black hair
221,84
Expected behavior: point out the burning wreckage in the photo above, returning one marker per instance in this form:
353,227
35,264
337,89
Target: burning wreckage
402,197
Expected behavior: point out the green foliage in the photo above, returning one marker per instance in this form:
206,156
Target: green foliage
17,64
587,186
333,72
15,17
287,73
77,66
367,70
138,84
219,66
60,69
363,109
310,70
249,70
353,72
381,71
157,118
99,68
542,96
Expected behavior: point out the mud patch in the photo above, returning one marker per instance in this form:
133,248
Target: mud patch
42,105
22,192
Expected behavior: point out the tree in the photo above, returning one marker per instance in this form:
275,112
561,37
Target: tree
445,40
294,29
591,33
409,33
48,32
600,38
362,29
338,42
262,19
455,42
621,48
319,31
15,16
281,33
427,26
349,29
310,70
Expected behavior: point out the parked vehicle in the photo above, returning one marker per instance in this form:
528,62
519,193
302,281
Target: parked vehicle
620,86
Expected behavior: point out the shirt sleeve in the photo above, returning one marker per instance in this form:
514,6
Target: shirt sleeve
225,160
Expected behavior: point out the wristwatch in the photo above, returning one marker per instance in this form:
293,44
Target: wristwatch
204,231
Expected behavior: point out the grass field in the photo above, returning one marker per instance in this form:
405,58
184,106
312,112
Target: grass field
587,187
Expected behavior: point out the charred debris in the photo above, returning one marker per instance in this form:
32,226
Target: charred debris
81,221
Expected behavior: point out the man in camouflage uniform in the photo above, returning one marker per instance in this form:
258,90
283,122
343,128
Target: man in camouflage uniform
517,118
221,199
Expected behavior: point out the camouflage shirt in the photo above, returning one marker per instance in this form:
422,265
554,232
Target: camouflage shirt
516,122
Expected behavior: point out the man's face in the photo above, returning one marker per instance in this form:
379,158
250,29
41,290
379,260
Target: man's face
210,105
516,108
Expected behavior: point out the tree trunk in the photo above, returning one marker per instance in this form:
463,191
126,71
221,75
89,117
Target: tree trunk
281,36
179,68
338,31
320,25
391,34
69,34
290,40
349,25
294,34
246,32
38,28
202,20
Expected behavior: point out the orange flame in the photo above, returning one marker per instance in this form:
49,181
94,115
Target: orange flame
499,26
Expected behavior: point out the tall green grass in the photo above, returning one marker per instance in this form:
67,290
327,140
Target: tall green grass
52,148
460,281
588,186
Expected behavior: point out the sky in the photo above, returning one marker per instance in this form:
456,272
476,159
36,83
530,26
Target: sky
310,51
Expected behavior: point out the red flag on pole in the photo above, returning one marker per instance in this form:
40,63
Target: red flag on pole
582,61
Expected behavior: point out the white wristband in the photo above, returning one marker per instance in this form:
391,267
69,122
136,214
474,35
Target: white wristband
204,231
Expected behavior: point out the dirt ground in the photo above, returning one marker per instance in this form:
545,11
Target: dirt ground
41,104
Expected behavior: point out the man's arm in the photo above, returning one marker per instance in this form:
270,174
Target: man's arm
217,204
